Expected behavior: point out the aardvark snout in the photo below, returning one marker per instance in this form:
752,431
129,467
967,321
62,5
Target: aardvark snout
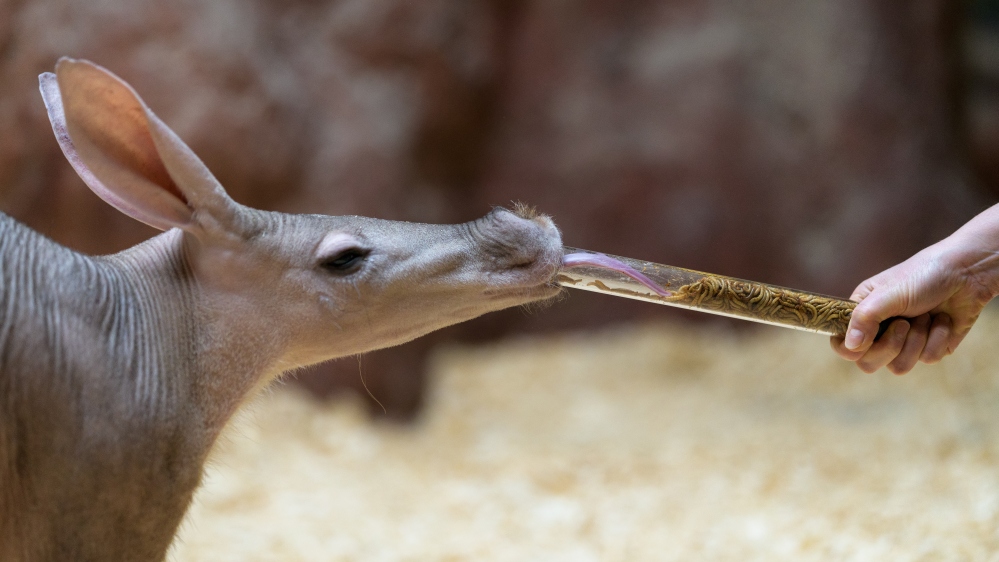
521,243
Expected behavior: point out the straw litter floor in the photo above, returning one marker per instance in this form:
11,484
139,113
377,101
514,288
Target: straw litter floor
656,442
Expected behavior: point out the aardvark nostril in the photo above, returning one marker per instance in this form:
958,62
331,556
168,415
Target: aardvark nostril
524,241
523,262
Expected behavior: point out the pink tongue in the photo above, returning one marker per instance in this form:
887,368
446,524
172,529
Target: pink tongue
607,262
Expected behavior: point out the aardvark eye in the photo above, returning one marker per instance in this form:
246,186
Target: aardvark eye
347,261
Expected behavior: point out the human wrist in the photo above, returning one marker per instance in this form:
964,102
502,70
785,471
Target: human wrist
973,252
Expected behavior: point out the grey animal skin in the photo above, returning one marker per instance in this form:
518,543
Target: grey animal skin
117,373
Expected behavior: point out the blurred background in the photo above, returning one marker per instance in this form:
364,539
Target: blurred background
806,144
809,145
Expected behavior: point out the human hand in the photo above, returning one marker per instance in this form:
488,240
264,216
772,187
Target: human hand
938,293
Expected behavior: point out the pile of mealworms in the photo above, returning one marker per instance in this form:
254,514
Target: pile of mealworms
767,303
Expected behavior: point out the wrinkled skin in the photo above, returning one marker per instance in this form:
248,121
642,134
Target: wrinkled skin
938,295
117,373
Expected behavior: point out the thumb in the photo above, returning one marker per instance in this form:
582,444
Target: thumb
880,304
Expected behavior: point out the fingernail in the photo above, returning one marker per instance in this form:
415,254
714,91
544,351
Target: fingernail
853,339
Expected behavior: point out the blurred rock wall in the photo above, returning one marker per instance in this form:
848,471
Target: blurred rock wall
980,91
804,144
334,107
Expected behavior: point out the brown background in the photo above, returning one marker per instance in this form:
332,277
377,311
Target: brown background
803,144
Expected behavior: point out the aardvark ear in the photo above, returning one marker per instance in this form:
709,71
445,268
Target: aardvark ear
124,153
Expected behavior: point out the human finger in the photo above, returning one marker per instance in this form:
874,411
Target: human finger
864,289
837,345
915,341
866,319
886,348
937,343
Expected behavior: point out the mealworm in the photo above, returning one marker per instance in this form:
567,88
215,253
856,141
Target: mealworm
767,303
